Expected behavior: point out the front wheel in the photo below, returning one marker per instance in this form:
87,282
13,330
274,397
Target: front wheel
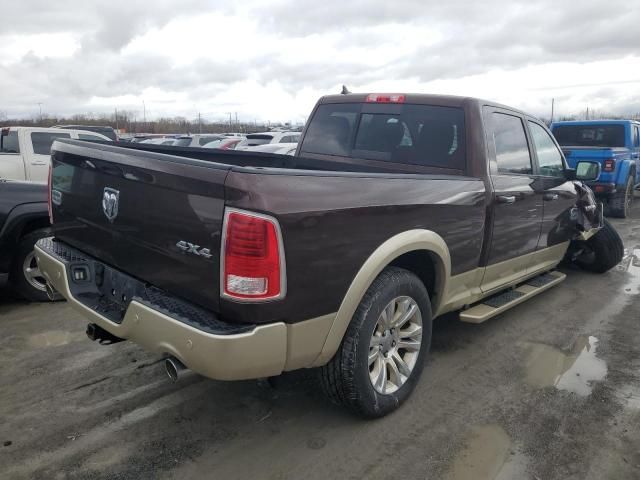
603,251
382,353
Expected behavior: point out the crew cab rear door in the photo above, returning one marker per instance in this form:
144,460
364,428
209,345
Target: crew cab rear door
516,208
557,193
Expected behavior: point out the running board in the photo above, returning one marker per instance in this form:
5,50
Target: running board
507,299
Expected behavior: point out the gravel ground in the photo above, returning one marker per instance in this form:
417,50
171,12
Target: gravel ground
548,390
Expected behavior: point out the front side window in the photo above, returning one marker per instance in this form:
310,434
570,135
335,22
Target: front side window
636,136
549,157
512,150
42,141
9,142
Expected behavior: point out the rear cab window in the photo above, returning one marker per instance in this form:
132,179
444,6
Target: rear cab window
9,142
424,135
42,141
593,135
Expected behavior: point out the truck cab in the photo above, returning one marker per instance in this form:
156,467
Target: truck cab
25,152
615,145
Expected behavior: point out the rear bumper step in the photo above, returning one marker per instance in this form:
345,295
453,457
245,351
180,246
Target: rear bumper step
505,300
260,352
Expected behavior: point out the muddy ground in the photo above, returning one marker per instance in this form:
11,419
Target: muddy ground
548,390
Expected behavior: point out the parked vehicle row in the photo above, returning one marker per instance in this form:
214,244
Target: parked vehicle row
396,209
25,152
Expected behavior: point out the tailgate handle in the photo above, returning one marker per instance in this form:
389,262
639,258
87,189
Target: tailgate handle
507,199
550,196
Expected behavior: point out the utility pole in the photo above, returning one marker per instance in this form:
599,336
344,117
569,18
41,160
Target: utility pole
117,119
144,114
552,105
230,124
587,112
236,120
199,122
40,107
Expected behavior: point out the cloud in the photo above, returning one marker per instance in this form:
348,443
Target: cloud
218,56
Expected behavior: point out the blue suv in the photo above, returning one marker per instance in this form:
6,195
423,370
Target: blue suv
615,145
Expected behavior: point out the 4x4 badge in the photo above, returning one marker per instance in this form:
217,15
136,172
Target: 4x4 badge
110,197
188,247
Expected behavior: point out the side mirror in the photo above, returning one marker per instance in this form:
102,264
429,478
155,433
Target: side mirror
587,171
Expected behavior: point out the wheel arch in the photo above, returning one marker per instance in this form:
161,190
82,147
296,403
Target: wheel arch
400,250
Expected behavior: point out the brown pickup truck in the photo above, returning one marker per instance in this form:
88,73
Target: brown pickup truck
395,210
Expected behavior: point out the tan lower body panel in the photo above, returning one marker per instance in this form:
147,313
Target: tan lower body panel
265,351
483,312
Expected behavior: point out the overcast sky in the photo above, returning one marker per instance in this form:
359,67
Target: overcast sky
271,60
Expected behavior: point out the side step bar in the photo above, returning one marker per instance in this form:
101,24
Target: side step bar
492,306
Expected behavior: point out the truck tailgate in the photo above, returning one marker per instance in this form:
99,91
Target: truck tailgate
155,217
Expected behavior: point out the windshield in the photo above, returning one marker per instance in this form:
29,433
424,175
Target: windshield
10,142
416,134
589,135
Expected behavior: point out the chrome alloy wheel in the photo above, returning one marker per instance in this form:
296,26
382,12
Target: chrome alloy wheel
395,345
32,273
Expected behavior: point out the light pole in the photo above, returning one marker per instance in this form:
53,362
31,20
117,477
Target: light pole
40,108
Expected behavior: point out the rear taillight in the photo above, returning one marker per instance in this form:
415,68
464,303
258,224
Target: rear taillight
49,194
609,165
252,257
385,98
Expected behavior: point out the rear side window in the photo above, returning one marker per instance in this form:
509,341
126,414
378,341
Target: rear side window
10,143
182,142
255,140
512,150
589,135
424,135
42,141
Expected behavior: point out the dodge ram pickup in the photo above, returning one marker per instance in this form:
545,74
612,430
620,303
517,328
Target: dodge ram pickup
615,144
395,210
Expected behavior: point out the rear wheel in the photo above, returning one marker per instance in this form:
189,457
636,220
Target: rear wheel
620,203
603,251
25,277
382,353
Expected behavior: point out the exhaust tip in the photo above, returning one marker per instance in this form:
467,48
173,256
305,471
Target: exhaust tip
51,292
173,367
91,332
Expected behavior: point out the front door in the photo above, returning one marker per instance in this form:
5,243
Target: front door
558,196
516,207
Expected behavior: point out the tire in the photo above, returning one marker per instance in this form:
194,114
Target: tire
620,203
28,284
348,378
603,251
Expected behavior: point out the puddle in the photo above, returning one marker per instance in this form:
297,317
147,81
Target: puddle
54,338
485,454
574,372
631,264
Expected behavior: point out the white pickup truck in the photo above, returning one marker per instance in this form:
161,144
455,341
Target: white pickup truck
25,151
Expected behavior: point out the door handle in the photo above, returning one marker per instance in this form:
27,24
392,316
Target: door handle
38,163
550,196
506,199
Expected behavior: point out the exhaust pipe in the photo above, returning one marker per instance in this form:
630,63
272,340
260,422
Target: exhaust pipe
174,368
52,293
95,332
